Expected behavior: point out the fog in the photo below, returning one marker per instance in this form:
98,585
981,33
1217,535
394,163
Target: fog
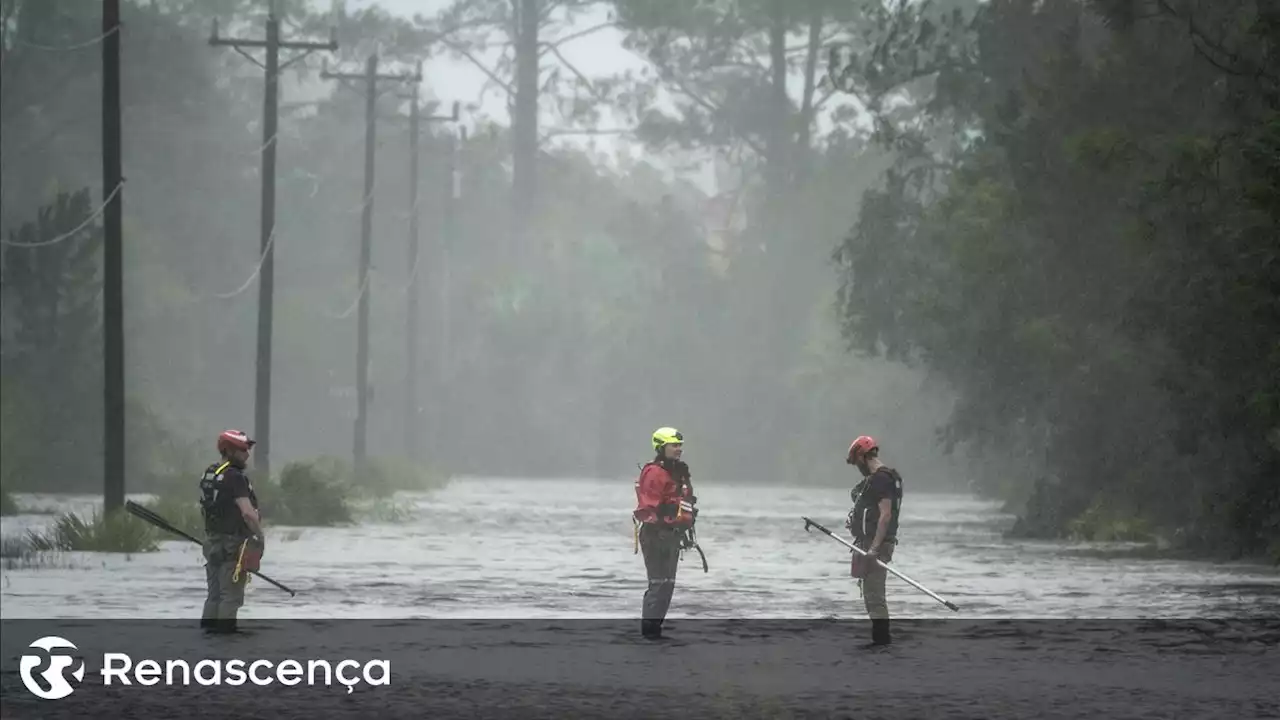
602,255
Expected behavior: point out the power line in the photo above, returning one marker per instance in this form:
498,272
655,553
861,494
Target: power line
370,77
271,115
72,232
67,48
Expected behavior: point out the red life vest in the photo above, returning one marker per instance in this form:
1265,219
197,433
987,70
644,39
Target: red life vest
659,499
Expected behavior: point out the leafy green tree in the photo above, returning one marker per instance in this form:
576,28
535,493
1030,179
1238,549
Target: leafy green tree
1086,270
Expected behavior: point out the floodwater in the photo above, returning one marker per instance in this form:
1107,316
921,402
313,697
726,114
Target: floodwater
504,548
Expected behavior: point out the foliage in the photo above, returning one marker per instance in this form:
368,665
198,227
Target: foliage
307,493
181,510
8,506
113,532
386,476
635,315
49,294
1095,273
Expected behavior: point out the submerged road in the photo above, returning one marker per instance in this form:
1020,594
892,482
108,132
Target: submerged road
493,601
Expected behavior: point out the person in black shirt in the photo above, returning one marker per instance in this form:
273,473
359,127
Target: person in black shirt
233,534
873,521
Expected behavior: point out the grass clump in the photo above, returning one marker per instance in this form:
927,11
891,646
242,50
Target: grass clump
8,506
386,510
16,553
328,491
386,476
320,492
308,493
182,511
1098,524
111,532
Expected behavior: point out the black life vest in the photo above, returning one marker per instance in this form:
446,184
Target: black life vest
218,508
865,515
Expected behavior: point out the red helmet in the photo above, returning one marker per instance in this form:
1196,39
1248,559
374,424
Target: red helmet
234,440
861,446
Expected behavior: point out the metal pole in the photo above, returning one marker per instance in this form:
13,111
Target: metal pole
266,288
411,433
809,523
113,264
366,247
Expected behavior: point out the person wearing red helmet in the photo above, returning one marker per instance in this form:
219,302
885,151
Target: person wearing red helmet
873,521
664,518
233,532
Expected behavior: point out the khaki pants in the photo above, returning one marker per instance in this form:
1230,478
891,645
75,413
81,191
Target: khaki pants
226,595
873,585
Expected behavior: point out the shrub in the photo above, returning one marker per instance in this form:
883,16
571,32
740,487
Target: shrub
117,532
386,476
1109,524
16,553
182,511
8,506
312,493
386,510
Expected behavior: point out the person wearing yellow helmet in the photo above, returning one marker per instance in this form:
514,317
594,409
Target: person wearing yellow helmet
664,516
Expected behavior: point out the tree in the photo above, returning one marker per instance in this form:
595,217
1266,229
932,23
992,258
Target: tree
1089,271
52,346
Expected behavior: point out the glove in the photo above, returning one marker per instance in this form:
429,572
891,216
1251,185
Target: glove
859,566
679,470
251,552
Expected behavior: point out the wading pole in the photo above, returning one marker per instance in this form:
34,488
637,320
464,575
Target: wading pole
809,523
163,524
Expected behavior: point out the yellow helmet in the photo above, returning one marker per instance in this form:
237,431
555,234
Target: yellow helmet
666,436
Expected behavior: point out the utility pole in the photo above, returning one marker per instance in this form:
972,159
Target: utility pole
266,284
113,265
412,433
444,364
370,78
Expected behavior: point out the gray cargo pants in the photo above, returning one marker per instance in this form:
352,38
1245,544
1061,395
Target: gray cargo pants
661,548
226,595
873,585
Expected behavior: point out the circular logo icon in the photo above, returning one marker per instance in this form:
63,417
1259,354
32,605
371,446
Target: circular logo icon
55,684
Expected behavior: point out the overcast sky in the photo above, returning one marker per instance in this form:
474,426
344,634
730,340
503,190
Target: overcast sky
598,54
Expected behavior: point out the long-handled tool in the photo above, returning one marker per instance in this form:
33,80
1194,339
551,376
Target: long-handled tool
151,517
690,541
809,523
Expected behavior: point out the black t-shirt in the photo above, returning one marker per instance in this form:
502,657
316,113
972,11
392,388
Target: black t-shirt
883,483
222,484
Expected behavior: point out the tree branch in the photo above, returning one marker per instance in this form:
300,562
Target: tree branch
475,61
1203,44
591,88
550,133
715,111
551,45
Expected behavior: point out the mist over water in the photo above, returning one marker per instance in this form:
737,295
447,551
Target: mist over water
516,548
